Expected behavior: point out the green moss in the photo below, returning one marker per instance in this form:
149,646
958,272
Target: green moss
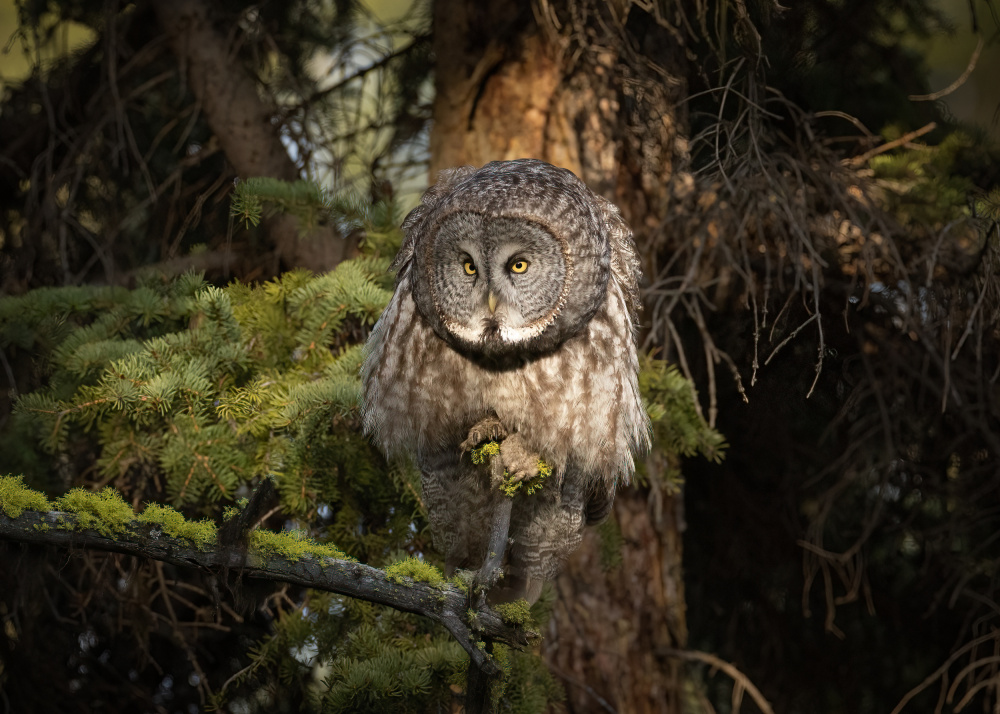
498,686
417,570
15,497
105,511
292,545
202,533
460,582
485,452
515,613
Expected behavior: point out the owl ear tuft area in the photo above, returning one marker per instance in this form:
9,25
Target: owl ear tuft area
446,181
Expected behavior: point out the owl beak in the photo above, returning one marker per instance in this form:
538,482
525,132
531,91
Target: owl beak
492,301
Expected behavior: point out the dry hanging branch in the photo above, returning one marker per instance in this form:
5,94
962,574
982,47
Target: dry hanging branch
741,683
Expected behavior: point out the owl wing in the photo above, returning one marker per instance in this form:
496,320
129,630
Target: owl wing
625,266
412,224
599,503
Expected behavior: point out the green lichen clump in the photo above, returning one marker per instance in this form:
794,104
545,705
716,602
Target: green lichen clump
15,497
202,533
515,613
105,511
415,569
484,454
293,545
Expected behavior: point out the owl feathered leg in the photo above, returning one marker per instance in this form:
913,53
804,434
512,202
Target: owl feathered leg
490,580
513,587
492,429
516,463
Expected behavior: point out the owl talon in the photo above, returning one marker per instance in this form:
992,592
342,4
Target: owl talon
520,463
488,429
519,476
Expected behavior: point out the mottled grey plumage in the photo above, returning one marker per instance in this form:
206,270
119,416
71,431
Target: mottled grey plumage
513,317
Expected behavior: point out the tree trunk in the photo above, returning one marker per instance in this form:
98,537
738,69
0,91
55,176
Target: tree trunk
613,624
509,85
242,122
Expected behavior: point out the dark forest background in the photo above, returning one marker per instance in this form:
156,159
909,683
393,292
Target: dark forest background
820,237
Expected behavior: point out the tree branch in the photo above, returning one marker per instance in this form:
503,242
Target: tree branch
243,123
445,604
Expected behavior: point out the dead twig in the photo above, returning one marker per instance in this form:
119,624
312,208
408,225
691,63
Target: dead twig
934,96
862,159
741,683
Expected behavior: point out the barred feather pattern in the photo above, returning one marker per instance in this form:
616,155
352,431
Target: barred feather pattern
577,404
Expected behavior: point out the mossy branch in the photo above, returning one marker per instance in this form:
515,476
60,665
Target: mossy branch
442,602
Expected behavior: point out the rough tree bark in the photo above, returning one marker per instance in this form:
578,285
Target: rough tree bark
509,84
243,124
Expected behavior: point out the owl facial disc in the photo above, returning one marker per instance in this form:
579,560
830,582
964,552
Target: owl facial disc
498,282
513,261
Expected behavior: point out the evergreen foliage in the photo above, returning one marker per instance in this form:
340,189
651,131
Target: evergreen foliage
927,185
672,405
313,206
221,399
187,391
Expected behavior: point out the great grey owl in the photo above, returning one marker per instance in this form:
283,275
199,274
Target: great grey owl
513,319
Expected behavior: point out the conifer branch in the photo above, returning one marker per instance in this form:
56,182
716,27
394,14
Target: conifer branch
444,603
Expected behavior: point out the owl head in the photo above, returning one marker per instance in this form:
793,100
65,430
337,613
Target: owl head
509,260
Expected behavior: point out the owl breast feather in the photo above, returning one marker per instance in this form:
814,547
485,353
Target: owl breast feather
578,406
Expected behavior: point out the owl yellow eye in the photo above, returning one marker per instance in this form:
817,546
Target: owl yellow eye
470,268
518,266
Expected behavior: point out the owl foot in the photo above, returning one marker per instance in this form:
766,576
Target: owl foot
488,429
520,463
